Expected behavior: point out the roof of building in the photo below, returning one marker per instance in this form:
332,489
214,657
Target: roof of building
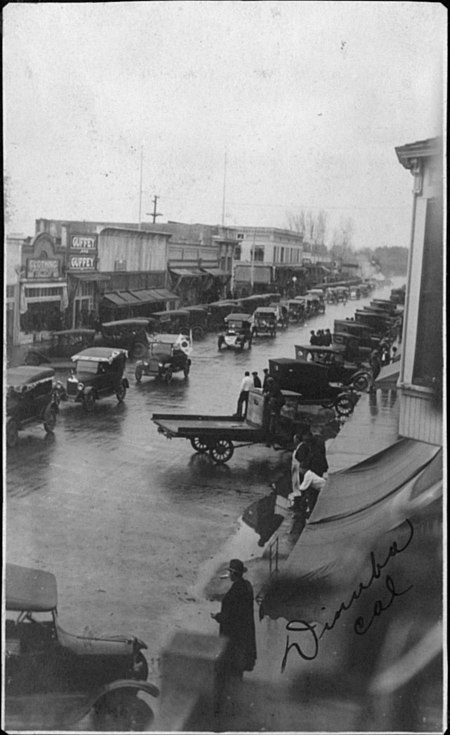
406,154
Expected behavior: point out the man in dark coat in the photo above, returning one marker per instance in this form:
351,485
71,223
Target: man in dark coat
237,622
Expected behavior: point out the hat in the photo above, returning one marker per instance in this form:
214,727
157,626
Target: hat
266,370
255,373
237,566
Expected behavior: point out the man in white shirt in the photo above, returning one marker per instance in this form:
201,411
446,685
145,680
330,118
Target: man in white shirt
308,490
246,384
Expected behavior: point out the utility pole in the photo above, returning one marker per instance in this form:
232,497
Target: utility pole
140,187
224,188
154,214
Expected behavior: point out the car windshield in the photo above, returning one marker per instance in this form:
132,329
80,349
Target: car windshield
87,366
160,348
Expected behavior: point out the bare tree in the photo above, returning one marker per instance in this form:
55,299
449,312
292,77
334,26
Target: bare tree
312,226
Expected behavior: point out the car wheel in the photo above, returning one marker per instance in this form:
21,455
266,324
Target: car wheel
138,373
89,402
12,433
344,406
139,350
121,393
168,375
186,370
362,382
122,712
199,444
198,333
222,451
49,419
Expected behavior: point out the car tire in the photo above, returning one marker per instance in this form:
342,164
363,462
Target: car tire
199,444
122,712
139,350
49,419
222,451
198,333
344,406
121,393
12,433
138,373
362,382
89,402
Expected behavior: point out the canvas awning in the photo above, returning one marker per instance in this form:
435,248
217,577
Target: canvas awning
388,376
188,273
218,273
91,276
361,512
143,296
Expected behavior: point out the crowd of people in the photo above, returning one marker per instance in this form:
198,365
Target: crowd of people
321,338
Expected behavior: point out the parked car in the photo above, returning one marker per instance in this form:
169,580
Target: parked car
98,374
365,334
176,321
60,346
198,321
129,334
311,381
237,333
30,399
167,354
218,310
297,309
316,300
53,678
265,320
355,349
340,370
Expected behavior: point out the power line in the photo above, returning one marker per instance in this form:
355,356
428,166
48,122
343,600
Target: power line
290,206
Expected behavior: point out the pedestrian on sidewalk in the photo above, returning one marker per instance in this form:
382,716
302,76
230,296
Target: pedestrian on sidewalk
318,455
308,490
313,338
375,364
328,337
266,378
256,380
237,623
247,383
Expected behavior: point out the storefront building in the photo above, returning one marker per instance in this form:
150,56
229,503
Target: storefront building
43,298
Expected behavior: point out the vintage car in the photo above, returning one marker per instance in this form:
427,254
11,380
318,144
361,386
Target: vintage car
316,300
340,370
265,320
237,333
198,321
60,347
167,354
355,293
218,310
54,679
366,336
282,314
297,309
311,381
380,322
98,374
354,350
30,399
128,334
176,321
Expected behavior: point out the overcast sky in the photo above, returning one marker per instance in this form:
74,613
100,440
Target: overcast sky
308,99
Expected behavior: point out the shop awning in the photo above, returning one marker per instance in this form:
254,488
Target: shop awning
143,296
218,273
89,276
360,513
388,376
188,273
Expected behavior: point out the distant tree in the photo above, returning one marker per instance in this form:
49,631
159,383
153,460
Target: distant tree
313,226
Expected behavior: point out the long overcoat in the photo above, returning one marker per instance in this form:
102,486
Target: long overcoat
237,623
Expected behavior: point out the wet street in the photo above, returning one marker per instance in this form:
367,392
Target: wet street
125,518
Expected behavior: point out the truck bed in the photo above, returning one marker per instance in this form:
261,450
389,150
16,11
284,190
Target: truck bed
219,427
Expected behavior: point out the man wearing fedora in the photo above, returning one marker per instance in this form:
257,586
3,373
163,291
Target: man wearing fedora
237,622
